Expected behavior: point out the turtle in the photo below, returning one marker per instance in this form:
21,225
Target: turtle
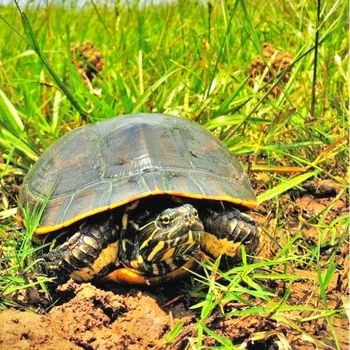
139,198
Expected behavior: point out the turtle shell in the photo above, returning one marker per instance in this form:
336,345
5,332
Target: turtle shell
111,163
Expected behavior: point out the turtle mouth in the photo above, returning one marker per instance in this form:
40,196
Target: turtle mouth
161,257
179,232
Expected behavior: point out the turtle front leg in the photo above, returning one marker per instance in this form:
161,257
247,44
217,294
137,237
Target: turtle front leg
90,252
226,231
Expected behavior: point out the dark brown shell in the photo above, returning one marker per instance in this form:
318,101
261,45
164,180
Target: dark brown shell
111,163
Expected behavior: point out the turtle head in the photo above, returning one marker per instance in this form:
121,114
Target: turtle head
160,243
174,223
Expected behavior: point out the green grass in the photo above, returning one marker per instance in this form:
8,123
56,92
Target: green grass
190,60
19,263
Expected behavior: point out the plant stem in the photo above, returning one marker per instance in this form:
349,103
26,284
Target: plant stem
314,79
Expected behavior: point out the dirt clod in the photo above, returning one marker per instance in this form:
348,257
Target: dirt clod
267,68
27,330
87,59
92,319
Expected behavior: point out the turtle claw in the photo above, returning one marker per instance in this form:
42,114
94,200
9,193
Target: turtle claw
229,230
52,266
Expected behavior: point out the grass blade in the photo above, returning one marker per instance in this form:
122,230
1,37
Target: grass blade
285,186
10,117
30,33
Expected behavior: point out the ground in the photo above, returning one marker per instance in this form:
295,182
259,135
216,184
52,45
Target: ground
111,316
93,318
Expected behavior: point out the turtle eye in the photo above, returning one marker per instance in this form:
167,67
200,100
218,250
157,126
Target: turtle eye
165,219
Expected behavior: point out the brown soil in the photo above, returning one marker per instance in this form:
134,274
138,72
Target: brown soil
120,317
93,318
